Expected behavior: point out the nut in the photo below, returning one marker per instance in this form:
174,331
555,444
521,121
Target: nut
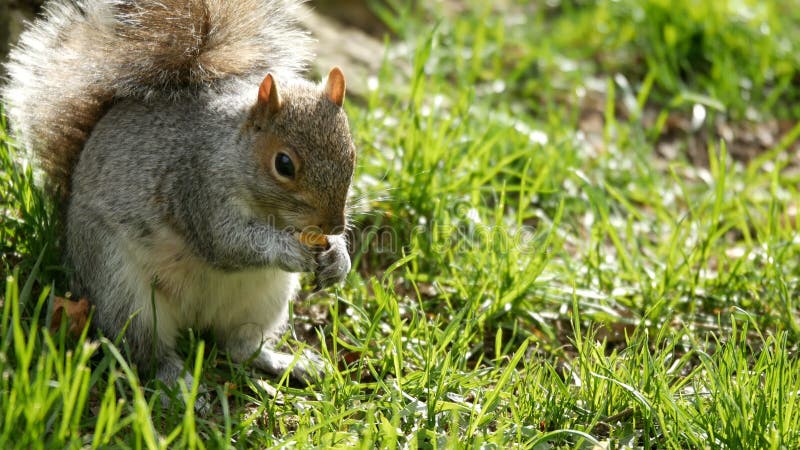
313,239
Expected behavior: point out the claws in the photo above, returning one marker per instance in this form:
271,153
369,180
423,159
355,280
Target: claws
333,264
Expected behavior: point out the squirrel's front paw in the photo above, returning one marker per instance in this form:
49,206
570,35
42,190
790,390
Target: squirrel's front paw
333,263
296,257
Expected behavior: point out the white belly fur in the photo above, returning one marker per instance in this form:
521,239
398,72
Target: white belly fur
190,293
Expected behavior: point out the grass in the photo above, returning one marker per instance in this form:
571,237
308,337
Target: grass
541,262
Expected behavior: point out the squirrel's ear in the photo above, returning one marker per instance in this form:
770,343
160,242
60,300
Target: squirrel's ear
268,95
334,88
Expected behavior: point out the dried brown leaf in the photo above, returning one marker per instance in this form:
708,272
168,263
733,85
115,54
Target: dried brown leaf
76,313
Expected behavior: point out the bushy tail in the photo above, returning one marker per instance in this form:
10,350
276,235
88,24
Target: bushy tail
82,54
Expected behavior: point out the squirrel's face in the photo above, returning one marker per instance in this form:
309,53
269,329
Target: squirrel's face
305,155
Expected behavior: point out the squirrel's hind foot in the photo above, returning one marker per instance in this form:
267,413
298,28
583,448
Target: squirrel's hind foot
305,368
169,372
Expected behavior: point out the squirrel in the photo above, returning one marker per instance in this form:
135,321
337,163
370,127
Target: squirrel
188,151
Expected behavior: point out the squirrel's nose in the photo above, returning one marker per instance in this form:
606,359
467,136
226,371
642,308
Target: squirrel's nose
334,225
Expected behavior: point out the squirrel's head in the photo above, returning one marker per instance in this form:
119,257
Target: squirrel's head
304,152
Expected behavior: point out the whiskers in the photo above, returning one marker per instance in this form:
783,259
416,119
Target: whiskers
368,202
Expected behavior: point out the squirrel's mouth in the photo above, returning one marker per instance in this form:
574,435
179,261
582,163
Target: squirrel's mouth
296,226
315,230
299,218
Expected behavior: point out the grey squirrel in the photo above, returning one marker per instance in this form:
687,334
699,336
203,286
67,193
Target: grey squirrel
189,152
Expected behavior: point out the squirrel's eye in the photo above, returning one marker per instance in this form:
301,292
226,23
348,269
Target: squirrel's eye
284,165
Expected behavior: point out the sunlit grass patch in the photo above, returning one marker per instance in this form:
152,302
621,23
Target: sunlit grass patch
532,267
